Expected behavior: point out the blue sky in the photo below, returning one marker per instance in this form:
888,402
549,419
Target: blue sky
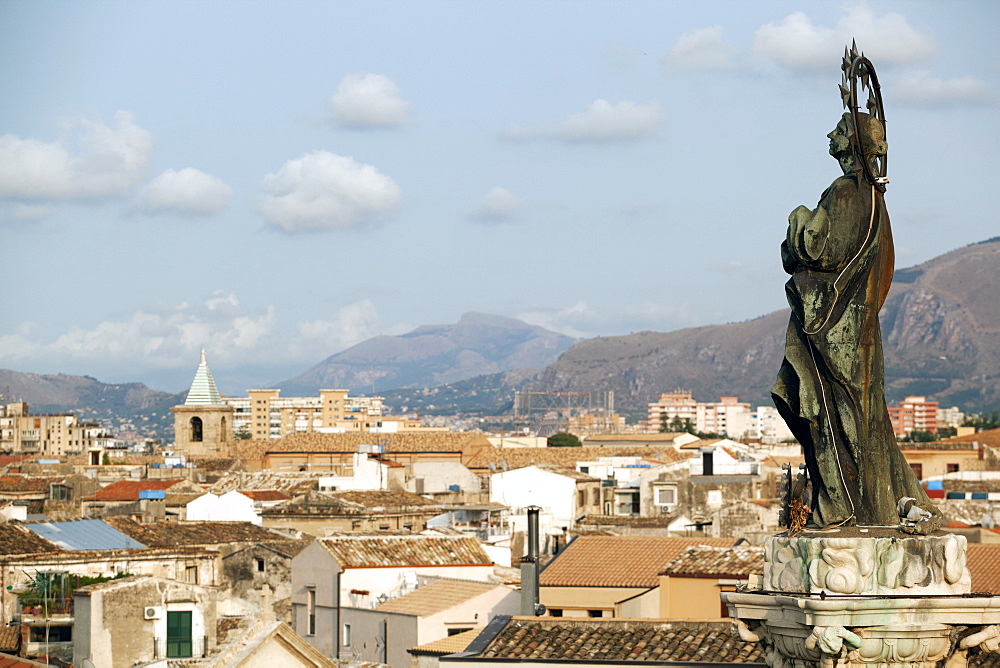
277,181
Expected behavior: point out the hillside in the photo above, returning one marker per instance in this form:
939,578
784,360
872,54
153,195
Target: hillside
113,405
941,327
433,355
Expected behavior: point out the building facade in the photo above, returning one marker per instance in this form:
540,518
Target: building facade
914,414
678,410
50,435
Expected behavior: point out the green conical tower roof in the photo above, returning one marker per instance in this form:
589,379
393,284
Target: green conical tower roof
203,391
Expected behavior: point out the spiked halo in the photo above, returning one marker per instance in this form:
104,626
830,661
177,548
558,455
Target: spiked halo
858,69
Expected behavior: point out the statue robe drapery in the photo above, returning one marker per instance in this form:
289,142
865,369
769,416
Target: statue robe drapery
830,387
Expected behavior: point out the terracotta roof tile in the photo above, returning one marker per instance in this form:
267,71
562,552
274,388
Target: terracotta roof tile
18,483
9,661
983,560
437,596
181,534
15,538
617,561
128,490
516,458
442,441
658,437
729,562
616,640
265,494
449,645
990,437
396,551
656,521
351,503
10,638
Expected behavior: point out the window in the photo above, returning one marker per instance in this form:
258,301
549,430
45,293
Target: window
595,613
951,468
555,612
918,470
179,641
311,612
191,574
666,496
346,639
260,565
581,498
196,430
595,497
460,629
715,497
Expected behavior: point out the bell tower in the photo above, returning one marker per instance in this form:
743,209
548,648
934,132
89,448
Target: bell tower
203,424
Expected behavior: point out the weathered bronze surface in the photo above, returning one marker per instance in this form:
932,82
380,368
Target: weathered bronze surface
830,388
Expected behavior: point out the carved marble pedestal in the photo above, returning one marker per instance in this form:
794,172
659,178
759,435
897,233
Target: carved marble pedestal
857,597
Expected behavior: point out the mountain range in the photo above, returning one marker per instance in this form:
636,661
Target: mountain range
940,326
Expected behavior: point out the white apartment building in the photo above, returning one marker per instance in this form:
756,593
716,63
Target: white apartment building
728,416
265,415
55,435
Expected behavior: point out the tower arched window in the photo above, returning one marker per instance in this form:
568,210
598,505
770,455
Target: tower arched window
224,431
196,430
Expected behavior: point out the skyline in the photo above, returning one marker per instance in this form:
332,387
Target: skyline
277,182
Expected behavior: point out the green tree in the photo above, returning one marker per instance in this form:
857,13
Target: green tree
919,436
564,440
982,421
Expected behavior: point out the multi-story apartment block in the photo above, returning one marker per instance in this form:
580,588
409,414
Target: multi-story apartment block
265,415
50,435
914,413
727,416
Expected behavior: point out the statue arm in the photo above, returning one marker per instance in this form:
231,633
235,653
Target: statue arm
823,239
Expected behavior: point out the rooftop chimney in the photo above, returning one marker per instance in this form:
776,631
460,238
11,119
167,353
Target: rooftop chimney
530,607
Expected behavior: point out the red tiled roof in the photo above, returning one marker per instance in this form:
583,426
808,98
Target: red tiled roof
621,640
16,483
8,661
128,490
264,494
729,562
397,551
617,561
15,538
983,560
179,534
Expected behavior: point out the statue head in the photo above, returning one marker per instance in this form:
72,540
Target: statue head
850,144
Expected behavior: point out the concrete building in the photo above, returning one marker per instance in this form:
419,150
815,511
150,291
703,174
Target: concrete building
360,572
266,415
562,494
594,574
677,410
50,435
436,610
914,413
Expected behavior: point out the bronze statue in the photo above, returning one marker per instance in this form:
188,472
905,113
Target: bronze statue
830,388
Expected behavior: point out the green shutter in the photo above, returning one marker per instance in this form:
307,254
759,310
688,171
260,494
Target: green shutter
178,634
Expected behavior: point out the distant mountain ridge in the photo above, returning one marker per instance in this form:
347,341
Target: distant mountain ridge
940,325
432,355
113,404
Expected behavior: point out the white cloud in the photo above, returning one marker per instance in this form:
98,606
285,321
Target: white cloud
96,162
161,337
798,44
600,121
188,191
577,320
367,100
919,89
699,51
350,325
324,191
603,121
498,206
